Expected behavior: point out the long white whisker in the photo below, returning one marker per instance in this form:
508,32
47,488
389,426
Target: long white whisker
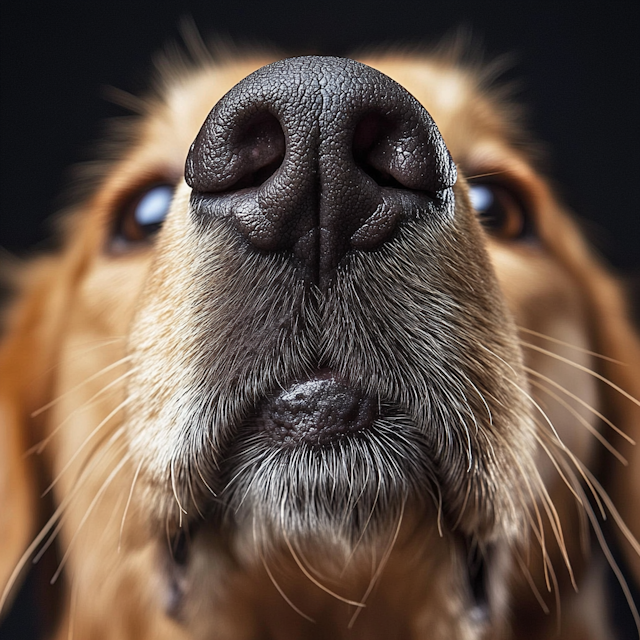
40,447
571,346
175,492
580,367
580,401
44,532
534,589
559,440
381,566
85,474
126,507
310,577
585,423
55,401
607,551
73,604
95,500
71,460
282,593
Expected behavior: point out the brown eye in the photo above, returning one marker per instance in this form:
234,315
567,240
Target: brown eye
500,211
141,217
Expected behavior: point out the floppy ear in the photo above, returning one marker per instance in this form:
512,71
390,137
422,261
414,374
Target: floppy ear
614,336
26,355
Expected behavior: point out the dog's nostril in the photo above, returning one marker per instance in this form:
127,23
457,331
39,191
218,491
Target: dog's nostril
262,146
386,149
366,137
258,149
370,134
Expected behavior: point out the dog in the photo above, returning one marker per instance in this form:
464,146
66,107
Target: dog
334,364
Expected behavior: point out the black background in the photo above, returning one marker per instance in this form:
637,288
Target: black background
577,63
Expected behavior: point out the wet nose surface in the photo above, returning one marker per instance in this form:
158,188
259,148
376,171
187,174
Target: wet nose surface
317,157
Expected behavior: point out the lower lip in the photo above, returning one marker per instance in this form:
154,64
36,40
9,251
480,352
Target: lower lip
316,411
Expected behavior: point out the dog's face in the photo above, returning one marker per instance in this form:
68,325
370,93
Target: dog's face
334,383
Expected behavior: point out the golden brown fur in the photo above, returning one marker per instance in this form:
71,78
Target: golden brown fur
65,369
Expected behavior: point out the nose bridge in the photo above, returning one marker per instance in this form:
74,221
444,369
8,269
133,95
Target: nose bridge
317,157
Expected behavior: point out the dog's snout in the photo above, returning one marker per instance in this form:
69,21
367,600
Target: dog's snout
317,157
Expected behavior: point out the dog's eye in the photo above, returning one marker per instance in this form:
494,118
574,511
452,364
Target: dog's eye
142,216
499,210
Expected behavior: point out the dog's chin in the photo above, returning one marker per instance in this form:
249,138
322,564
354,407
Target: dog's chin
324,470
324,460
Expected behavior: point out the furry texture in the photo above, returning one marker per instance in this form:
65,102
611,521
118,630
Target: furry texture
137,372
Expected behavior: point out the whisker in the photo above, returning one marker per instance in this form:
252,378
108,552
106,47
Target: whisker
633,607
126,507
310,577
81,350
488,174
546,499
626,532
554,521
368,520
42,534
562,445
175,492
530,581
544,336
71,460
73,604
587,425
552,458
463,507
28,552
92,505
204,482
381,566
537,526
83,475
193,496
40,446
91,378
282,593
580,367
579,400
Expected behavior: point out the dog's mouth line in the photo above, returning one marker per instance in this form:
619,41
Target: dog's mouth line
478,566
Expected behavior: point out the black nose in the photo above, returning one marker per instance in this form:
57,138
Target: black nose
317,157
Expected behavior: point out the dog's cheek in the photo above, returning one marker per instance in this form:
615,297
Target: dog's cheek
108,295
554,335
160,340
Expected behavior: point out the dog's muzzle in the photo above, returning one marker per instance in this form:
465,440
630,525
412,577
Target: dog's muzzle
317,157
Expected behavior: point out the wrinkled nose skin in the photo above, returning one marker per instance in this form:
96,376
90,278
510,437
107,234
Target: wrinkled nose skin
318,157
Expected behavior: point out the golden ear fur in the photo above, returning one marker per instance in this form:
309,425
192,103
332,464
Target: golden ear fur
613,336
27,354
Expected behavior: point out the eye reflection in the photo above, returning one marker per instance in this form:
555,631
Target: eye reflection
500,210
141,217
